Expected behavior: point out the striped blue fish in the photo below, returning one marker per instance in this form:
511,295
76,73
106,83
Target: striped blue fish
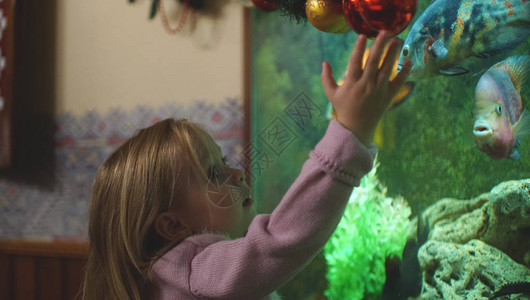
451,31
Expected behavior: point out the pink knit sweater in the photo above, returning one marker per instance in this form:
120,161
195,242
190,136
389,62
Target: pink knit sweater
277,246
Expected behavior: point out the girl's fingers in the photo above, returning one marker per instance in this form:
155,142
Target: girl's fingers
372,63
354,68
397,82
328,83
390,58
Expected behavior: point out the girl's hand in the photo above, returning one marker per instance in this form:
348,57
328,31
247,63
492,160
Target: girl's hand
365,93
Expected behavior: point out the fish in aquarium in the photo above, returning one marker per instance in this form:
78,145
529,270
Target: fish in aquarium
452,31
512,288
499,118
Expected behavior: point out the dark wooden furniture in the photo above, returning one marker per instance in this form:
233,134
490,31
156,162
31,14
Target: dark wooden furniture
32,270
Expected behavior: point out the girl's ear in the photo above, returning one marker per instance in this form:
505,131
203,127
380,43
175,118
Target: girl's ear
168,226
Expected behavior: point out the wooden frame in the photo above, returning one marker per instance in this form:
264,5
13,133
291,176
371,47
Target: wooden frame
6,80
44,248
247,74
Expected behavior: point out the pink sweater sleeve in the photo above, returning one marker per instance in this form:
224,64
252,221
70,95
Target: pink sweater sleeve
276,245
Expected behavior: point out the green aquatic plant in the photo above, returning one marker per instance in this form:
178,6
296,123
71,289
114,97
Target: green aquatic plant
373,227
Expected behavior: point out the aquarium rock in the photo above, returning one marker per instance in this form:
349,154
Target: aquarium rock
500,218
471,271
512,199
475,246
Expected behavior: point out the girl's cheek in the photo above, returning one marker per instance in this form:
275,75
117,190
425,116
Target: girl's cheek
223,196
223,216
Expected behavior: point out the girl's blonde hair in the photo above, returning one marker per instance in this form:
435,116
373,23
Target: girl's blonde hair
137,182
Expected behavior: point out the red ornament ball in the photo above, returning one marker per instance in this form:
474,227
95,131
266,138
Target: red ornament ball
391,15
353,16
266,5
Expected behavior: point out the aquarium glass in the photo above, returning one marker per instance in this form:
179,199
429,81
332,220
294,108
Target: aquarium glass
426,144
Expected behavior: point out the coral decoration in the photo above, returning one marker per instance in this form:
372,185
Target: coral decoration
327,15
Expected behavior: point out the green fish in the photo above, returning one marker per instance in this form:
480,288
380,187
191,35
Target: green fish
451,31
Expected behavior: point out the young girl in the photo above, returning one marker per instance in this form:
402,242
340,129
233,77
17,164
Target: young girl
170,220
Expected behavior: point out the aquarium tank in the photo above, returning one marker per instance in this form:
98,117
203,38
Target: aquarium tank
445,213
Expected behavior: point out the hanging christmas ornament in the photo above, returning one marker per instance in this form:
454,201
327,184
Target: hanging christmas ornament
353,16
184,12
327,15
266,5
195,4
294,9
391,15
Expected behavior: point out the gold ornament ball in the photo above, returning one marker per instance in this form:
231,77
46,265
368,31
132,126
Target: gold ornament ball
327,15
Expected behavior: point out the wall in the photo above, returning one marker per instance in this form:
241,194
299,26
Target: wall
109,54
88,75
